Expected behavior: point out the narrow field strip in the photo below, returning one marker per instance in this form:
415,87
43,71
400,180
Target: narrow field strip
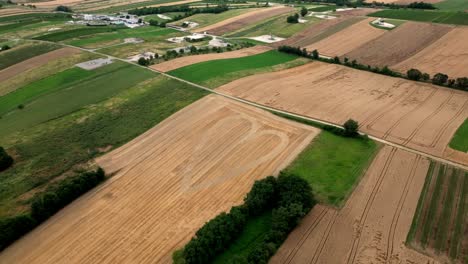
22,53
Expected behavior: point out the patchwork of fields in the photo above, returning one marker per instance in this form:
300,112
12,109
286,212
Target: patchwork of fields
176,157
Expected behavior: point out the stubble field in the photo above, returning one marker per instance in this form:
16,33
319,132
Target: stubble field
169,181
413,114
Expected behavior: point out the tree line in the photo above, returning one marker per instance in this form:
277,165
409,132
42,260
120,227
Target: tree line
180,8
440,79
289,198
47,203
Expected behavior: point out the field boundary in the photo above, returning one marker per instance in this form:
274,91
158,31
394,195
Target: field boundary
264,107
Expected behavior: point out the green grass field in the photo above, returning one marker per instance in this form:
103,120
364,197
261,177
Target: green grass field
440,216
276,26
33,16
252,234
456,18
205,72
460,139
452,5
145,33
323,8
21,53
115,9
333,165
76,32
66,92
47,150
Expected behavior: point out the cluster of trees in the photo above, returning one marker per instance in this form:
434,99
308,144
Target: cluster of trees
180,8
288,197
5,160
412,74
47,203
293,19
148,61
438,79
65,9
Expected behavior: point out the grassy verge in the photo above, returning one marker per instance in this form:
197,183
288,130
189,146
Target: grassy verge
460,139
456,18
50,149
21,53
64,93
251,236
333,165
209,72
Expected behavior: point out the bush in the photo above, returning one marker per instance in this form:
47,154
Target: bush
5,160
440,79
13,228
351,128
304,11
261,196
5,47
47,203
143,62
293,19
462,83
62,8
414,74
315,54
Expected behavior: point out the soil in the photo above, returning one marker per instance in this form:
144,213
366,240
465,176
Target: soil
188,60
243,20
448,55
169,181
34,62
399,44
418,115
373,224
347,39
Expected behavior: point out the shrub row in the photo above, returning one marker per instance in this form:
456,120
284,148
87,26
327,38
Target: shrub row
5,160
412,74
288,197
178,8
47,203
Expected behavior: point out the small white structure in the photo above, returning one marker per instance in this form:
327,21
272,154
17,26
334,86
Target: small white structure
176,39
267,38
217,42
325,16
195,37
133,40
381,23
94,64
147,55
53,29
302,21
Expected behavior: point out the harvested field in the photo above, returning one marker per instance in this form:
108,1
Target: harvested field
399,44
54,3
440,221
448,55
238,22
168,183
417,115
123,3
34,62
319,31
372,226
189,60
348,39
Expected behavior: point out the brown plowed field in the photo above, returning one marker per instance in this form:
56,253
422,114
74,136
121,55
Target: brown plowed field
240,21
417,115
347,39
399,44
168,183
188,60
373,224
313,32
34,62
448,55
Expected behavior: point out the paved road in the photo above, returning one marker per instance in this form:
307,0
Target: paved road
455,164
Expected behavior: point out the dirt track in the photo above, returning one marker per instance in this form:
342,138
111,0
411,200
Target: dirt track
240,21
188,60
170,180
448,55
34,62
416,115
399,44
347,39
373,224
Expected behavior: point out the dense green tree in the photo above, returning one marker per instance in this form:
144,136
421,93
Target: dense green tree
304,11
5,160
261,196
440,78
351,128
62,8
414,74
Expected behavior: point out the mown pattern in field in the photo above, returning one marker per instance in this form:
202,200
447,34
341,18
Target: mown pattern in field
203,72
440,223
456,18
21,53
63,94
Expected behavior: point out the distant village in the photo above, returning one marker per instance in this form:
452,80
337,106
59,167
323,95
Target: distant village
131,21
